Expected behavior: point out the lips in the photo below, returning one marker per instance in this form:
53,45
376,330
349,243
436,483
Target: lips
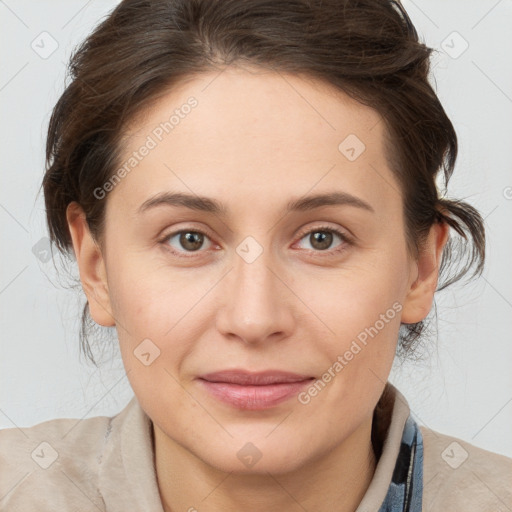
254,390
246,378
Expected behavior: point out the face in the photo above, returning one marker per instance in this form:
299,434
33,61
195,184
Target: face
317,290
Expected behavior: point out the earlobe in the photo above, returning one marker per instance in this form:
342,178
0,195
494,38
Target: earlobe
420,296
91,265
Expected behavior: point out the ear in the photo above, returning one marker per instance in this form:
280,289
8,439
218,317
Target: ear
91,265
420,295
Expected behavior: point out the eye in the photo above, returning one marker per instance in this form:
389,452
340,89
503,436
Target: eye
186,240
192,240
321,238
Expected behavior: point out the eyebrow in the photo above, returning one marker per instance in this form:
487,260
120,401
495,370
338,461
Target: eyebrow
210,205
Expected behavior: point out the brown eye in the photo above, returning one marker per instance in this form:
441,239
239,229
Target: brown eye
185,241
191,240
321,239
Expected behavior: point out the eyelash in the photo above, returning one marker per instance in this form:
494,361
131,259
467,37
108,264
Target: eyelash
345,238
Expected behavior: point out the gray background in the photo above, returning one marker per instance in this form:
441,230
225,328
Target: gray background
464,388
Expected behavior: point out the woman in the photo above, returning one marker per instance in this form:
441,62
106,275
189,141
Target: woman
249,189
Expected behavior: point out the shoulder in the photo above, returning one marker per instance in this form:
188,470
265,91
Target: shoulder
54,465
459,476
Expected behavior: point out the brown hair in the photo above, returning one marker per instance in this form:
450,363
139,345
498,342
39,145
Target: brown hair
367,48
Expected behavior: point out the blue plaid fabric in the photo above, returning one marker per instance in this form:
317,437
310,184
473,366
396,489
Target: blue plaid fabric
406,489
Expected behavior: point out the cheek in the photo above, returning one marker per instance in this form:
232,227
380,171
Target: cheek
358,297
163,305
150,297
361,306
151,313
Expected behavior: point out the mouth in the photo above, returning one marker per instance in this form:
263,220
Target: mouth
254,390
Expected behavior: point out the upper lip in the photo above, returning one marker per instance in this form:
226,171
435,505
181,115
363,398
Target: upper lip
247,378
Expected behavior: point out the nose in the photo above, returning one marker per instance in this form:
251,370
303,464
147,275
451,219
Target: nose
257,305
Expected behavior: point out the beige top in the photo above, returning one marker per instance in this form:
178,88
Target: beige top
106,464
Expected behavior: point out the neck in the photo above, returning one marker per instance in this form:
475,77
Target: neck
334,481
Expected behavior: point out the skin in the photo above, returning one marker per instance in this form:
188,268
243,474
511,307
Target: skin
256,140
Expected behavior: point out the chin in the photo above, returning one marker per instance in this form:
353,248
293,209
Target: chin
257,457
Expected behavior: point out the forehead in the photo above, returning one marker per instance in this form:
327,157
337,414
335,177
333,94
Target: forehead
256,131
258,103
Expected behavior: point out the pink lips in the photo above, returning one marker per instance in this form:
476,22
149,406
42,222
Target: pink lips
249,390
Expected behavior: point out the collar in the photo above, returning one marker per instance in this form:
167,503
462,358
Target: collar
397,484
127,475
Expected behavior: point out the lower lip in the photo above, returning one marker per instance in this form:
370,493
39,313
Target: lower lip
254,397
